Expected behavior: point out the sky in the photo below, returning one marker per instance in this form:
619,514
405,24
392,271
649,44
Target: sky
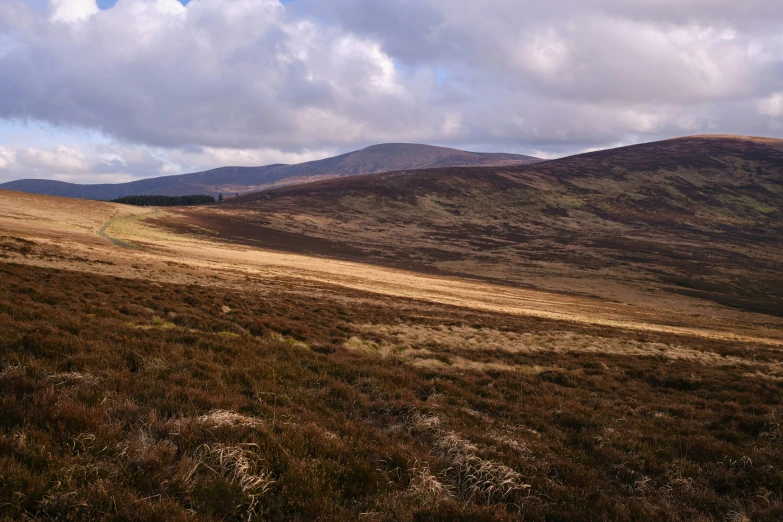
116,90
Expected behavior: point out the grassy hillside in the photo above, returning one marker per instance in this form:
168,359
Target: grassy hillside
701,216
130,400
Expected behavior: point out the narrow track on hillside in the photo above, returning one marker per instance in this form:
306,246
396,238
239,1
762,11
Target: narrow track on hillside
118,242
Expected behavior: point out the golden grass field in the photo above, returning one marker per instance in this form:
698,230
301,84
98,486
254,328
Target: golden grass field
70,226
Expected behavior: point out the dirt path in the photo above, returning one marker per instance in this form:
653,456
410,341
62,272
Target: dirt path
118,242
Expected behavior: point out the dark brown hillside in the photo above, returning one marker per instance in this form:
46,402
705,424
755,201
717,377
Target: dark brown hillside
700,215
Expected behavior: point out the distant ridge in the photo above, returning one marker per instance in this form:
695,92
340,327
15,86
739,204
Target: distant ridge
230,180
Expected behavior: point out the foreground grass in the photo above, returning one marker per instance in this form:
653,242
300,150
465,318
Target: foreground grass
142,401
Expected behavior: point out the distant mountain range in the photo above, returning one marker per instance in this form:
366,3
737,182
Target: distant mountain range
231,180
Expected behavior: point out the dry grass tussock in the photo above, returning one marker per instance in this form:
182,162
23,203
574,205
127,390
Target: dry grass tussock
426,487
240,465
383,349
223,418
73,378
193,472
472,477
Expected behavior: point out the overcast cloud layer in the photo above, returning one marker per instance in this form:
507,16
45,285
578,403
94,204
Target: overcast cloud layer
169,88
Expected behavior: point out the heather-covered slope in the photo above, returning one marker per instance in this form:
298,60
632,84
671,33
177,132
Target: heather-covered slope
700,215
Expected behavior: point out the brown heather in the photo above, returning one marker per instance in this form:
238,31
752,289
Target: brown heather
130,400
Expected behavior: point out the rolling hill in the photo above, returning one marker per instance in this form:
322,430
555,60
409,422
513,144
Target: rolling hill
699,216
377,158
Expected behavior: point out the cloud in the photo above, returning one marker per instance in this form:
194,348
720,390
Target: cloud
223,74
72,11
91,164
116,162
254,81
212,157
772,105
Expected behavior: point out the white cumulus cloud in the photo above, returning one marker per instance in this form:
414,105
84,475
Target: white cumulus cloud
71,11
